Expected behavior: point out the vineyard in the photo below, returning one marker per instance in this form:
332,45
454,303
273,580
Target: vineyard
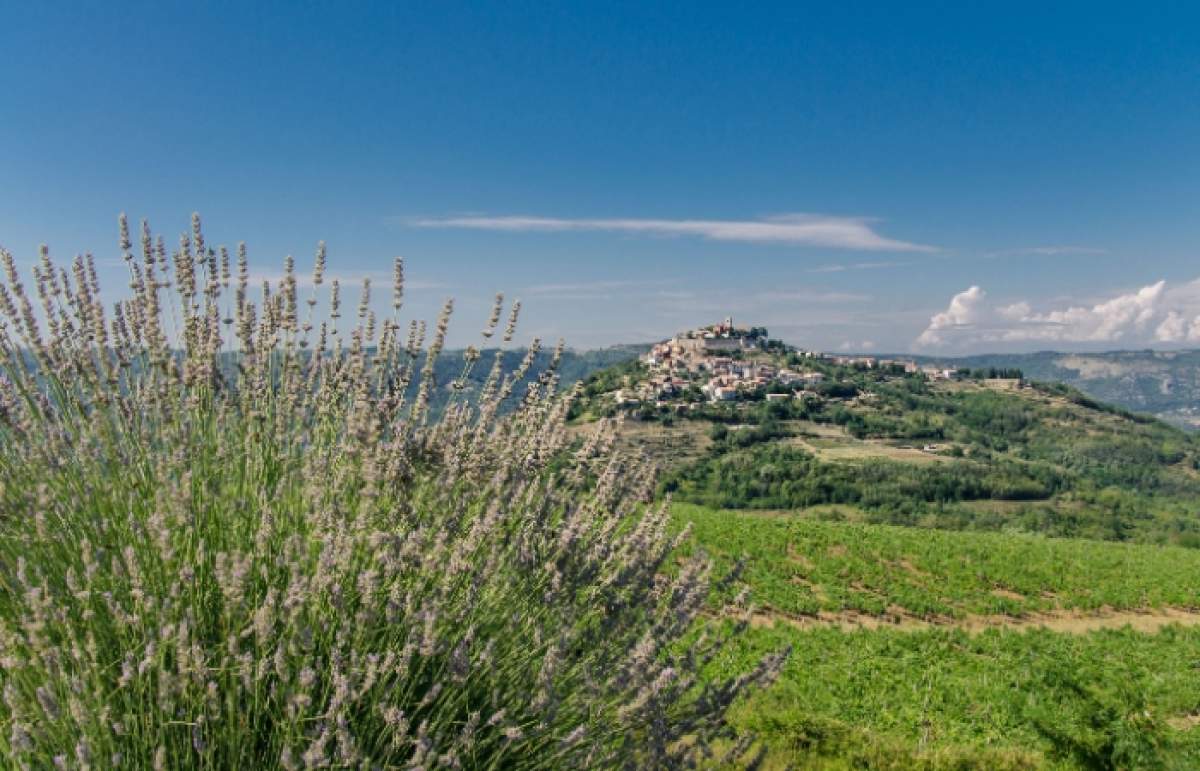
946,692
949,699
801,566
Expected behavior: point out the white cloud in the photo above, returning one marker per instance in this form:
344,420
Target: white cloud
1182,322
1173,327
1016,311
806,229
965,312
1108,321
1153,313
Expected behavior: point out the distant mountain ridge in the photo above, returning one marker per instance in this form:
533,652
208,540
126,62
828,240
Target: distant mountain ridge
574,366
1165,384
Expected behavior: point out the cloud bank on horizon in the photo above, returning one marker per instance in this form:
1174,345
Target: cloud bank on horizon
804,229
1153,314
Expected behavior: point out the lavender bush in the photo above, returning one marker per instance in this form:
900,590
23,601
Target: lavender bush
232,536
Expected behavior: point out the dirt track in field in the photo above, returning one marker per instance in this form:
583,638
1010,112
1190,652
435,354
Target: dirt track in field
1066,621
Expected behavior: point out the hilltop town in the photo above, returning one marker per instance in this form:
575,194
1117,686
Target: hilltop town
727,363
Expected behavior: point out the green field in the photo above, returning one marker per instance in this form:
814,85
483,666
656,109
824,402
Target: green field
944,694
802,566
944,698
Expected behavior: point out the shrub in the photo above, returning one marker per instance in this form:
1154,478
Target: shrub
232,536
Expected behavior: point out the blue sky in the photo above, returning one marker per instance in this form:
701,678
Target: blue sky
923,177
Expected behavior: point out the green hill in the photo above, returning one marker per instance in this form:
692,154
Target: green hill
881,446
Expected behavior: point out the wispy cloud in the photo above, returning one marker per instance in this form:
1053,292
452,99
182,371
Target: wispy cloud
675,294
802,229
1049,251
840,268
811,296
